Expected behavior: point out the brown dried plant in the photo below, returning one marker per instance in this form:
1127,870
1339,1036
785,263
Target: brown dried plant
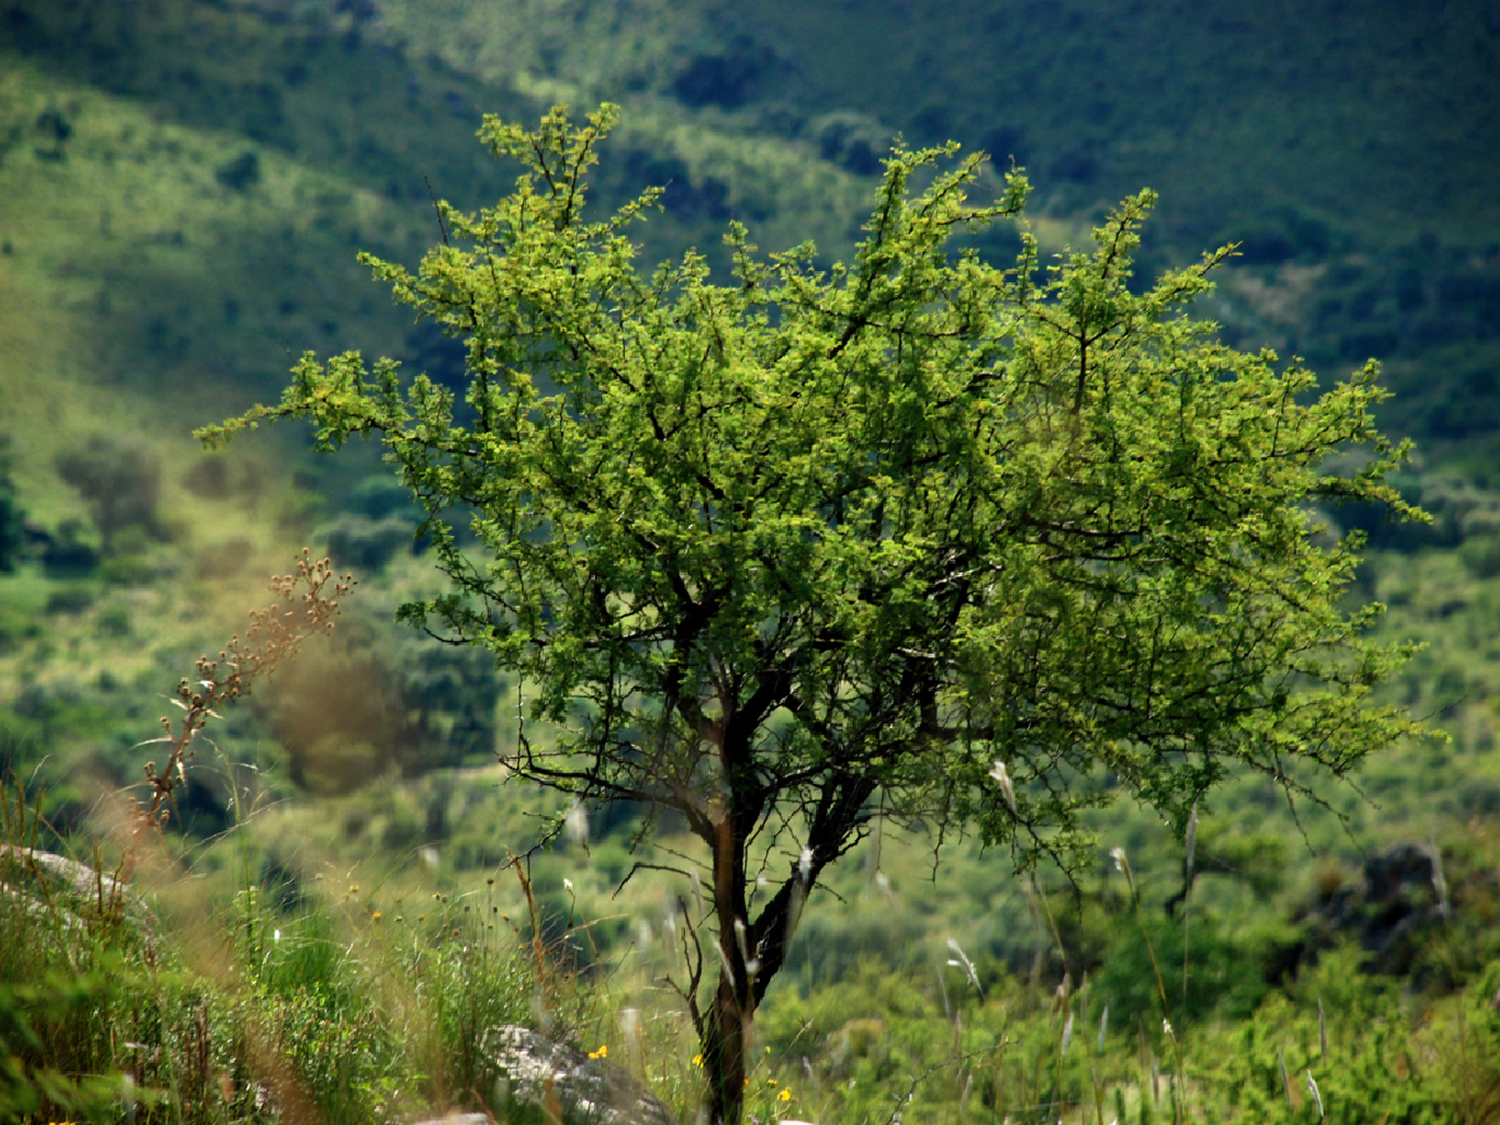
305,607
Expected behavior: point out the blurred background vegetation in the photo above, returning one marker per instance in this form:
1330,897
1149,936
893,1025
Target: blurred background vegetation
184,185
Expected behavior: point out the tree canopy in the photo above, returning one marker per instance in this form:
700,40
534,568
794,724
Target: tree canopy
916,534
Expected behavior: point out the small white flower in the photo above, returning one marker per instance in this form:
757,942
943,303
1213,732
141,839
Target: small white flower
276,935
1118,855
1166,1027
567,884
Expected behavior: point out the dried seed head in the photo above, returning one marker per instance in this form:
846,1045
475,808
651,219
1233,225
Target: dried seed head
1191,839
1439,883
576,824
961,961
1007,788
1122,864
1312,1088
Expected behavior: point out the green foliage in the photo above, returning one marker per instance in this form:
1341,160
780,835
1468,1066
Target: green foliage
656,462
240,174
1225,974
120,481
12,538
809,539
77,979
356,102
205,1012
1374,1065
379,700
38,1017
1469,1052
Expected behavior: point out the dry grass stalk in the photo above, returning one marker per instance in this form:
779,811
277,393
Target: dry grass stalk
305,607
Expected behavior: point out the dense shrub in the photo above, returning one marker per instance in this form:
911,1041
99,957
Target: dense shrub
12,535
120,481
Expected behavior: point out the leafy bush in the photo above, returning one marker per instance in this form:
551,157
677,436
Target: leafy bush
12,536
366,544
1225,974
120,481
240,174
67,555
1372,1068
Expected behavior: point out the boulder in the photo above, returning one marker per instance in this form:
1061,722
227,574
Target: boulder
563,1081
71,891
1388,915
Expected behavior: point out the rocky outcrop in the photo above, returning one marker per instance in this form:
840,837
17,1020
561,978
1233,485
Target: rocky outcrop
70,891
1401,898
568,1083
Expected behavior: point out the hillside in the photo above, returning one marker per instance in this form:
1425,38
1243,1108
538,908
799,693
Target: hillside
184,185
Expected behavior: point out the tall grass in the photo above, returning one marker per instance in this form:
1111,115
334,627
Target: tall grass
236,1009
179,1000
374,1006
210,1008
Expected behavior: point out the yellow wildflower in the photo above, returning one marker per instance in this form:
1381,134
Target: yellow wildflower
601,1053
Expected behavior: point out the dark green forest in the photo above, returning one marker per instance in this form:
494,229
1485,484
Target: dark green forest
332,915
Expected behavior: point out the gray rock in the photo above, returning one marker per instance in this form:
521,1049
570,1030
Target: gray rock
557,1078
69,890
1389,914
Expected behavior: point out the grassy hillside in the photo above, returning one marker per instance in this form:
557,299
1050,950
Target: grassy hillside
183,188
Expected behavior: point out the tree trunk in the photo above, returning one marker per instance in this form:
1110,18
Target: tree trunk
726,1031
727,1026
725,1040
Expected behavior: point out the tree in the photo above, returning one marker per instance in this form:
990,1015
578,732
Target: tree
12,517
120,481
914,535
